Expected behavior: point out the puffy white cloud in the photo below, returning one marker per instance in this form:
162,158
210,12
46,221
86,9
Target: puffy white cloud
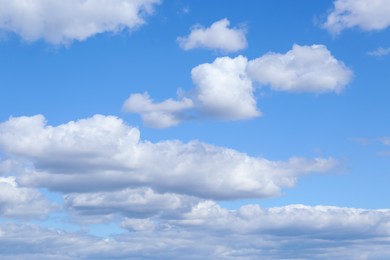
18,201
61,22
380,51
217,37
158,115
367,15
102,153
251,232
224,89
302,69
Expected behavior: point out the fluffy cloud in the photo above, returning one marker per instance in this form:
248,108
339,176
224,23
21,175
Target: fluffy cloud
250,232
225,88
102,154
61,22
367,15
158,115
302,69
217,37
18,201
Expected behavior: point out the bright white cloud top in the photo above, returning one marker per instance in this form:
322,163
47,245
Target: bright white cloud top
61,22
368,15
302,69
216,37
225,89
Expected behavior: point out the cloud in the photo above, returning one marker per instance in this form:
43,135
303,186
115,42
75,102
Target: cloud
379,52
302,69
61,22
101,153
157,115
23,202
367,15
135,203
250,232
225,89
217,37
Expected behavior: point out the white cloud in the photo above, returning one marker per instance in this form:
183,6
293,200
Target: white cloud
251,232
224,89
61,22
135,203
18,201
102,153
217,37
302,69
380,51
367,15
158,115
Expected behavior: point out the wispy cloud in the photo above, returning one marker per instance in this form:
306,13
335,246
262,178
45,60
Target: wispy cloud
380,51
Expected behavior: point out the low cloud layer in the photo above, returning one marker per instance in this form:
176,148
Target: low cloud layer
250,232
216,37
366,15
50,20
225,89
101,153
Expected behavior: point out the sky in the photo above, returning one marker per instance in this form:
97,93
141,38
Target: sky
184,129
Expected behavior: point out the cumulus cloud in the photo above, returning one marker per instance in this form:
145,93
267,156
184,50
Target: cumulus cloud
158,115
302,69
61,22
102,154
250,232
367,15
379,52
217,37
225,89
18,201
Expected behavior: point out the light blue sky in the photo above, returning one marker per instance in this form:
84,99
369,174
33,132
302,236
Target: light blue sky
311,126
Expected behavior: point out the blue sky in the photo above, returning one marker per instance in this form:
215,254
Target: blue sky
194,129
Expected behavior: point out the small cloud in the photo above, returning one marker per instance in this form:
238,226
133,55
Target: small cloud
366,15
217,37
379,52
385,140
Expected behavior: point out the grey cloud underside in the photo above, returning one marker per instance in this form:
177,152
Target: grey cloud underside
101,153
295,231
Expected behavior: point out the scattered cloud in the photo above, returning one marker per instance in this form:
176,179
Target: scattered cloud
379,52
217,37
101,153
250,232
225,89
367,15
61,22
302,69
